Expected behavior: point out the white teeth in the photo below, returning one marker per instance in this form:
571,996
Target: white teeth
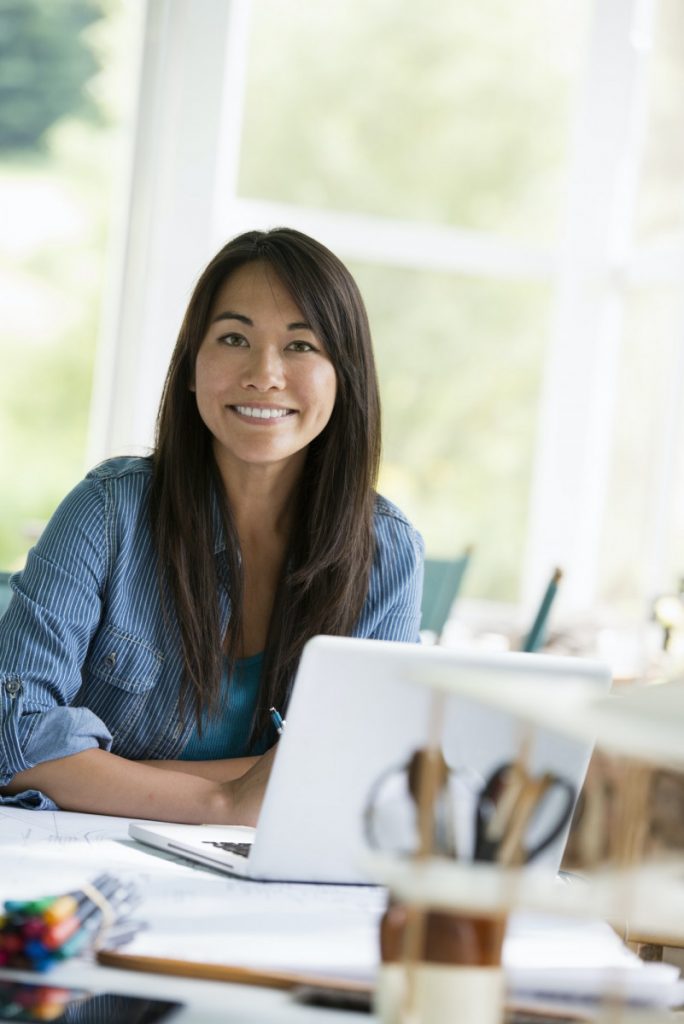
261,413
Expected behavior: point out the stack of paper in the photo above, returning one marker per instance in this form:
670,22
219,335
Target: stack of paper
575,962
332,932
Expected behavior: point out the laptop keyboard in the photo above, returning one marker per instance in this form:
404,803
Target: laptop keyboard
241,849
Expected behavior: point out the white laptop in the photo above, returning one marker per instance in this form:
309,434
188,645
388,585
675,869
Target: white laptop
357,711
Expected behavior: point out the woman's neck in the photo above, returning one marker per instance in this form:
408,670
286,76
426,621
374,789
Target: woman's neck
261,499
263,515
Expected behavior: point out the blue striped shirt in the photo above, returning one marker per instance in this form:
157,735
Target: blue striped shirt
87,658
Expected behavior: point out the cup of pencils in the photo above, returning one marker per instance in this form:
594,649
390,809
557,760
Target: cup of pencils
36,934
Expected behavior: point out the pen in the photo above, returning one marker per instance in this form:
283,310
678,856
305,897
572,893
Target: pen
277,720
534,638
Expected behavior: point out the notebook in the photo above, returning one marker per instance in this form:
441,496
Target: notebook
357,713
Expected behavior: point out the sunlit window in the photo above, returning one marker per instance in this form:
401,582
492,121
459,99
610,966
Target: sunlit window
67,77
505,181
446,115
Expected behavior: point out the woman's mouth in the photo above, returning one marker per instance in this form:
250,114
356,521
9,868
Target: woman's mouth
262,412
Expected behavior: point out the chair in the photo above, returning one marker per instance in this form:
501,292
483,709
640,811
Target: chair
534,640
441,584
5,592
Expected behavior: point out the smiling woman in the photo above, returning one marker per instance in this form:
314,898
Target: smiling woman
266,391
165,608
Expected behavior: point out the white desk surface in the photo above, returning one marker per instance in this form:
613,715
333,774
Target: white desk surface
42,852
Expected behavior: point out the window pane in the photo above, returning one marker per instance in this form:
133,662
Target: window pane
660,208
649,354
450,113
675,535
460,364
66,83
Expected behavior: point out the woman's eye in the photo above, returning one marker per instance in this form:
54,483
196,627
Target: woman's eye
301,346
233,340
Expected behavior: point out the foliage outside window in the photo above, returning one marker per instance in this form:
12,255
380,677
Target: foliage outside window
63,86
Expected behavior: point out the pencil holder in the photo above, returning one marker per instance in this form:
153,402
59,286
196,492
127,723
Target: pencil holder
439,966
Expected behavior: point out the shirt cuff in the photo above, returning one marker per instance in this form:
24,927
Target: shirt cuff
32,737
30,800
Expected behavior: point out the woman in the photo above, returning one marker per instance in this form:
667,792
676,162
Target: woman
164,610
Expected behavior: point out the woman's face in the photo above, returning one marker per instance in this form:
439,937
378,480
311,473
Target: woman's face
264,383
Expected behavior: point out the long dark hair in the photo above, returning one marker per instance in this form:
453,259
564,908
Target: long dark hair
325,578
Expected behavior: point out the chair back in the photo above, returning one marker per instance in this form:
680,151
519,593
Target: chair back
5,592
441,584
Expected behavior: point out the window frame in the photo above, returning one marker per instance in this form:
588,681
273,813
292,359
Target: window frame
182,204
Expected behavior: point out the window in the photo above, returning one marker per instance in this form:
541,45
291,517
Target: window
65,89
505,181
443,132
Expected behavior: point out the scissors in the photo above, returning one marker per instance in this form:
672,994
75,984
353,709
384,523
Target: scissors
505,807
443,840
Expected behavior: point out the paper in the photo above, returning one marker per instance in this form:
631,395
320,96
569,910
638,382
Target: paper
53,851
190,912
583,960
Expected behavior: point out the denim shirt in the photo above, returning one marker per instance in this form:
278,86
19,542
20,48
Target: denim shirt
87,658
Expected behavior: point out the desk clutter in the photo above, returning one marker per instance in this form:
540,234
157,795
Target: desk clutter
39,933
443,934
200,924
449,923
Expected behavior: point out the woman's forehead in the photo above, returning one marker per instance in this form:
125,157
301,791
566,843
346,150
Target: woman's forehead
255,288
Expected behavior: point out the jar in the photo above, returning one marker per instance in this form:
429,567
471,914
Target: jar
439,966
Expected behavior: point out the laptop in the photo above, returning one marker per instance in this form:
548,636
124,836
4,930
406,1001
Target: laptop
356,715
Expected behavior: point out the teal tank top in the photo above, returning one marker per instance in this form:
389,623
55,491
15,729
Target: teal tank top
227,733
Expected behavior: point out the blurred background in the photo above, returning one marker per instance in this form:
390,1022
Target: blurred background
506,182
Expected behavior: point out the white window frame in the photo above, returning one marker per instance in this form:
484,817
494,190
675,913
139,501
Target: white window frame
182,205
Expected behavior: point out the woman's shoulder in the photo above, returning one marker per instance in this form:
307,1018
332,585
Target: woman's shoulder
392,525
385,507
123,481
392,607
115,490
122,468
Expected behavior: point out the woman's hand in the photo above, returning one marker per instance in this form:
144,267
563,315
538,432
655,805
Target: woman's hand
246,794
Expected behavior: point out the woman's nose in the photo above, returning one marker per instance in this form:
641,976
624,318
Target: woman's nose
264,370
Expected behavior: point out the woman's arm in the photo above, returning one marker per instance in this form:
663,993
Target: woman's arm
224,770
392,608
98,782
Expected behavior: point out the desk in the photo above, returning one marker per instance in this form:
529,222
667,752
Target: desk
42,852
38,848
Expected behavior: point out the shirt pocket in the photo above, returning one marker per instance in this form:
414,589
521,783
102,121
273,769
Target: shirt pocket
123,660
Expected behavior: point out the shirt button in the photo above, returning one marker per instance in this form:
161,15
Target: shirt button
110,660
12,688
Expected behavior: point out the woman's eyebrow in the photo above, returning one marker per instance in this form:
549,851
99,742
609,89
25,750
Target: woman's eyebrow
229,314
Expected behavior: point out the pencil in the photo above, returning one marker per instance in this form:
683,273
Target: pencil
534,637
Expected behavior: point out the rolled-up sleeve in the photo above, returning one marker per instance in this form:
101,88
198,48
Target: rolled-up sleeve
44,638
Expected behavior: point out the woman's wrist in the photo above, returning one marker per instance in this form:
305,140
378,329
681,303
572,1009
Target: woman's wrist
220,803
